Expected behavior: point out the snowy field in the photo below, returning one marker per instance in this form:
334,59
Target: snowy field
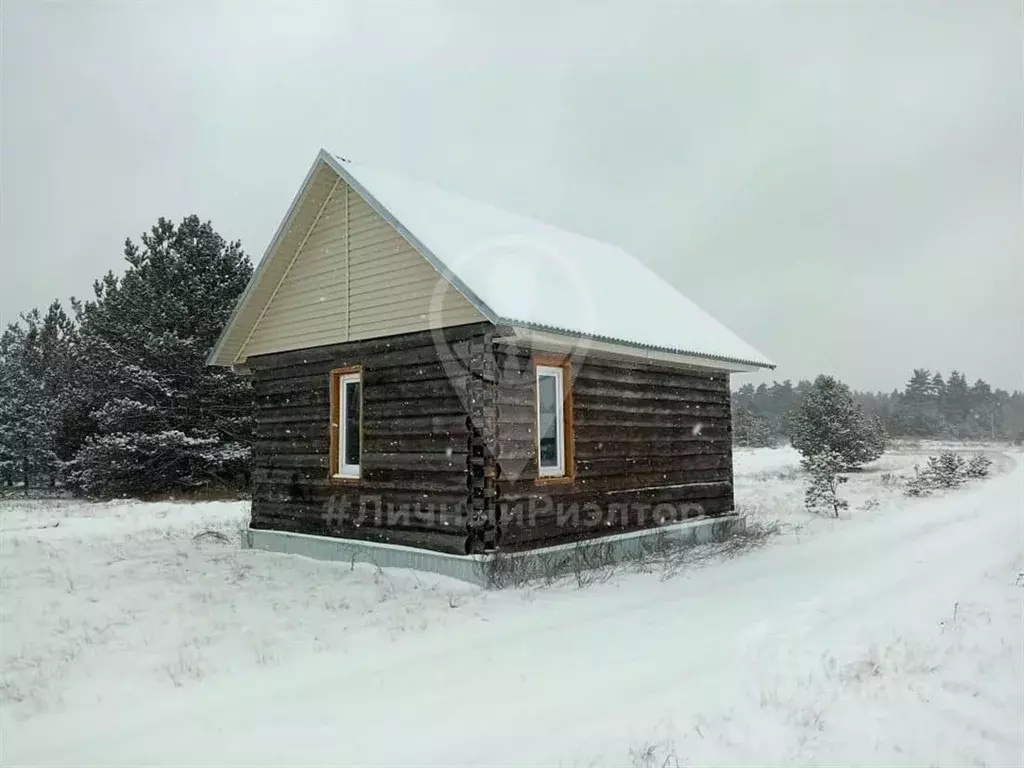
890,636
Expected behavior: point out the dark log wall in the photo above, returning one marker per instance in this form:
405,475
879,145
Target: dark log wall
639,430
449,457
417,487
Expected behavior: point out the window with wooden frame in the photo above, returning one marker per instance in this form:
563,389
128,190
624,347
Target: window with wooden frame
554,420
346,423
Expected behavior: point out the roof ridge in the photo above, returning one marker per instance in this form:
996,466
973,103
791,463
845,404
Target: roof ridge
474,200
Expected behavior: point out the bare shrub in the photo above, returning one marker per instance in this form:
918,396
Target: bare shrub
592,564
587,562
677,557
654,755
212,535
595,562
501,570
183,670
264,656
336,604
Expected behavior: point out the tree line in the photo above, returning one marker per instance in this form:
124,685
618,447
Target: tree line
112,396
835,435
928,406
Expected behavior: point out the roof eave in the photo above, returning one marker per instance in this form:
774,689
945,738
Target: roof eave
561,335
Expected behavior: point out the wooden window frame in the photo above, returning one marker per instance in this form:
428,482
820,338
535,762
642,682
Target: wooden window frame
568,474
339,375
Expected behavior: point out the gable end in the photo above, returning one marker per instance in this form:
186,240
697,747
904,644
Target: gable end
338,272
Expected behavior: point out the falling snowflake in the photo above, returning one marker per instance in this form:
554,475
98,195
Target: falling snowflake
697,428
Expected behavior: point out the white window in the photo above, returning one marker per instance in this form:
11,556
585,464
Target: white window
550,421
350,407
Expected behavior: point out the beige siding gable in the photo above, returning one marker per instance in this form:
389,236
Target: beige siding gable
349,276
271,270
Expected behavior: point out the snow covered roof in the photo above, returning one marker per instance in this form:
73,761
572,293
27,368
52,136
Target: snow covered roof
522,272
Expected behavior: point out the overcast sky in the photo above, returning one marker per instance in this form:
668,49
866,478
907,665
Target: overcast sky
838,182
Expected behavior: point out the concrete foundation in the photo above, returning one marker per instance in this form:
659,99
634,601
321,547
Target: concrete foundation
481,569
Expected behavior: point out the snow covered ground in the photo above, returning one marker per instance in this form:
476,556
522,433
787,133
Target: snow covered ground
890,636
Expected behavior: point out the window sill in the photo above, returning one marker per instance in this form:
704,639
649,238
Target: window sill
345,479
555,480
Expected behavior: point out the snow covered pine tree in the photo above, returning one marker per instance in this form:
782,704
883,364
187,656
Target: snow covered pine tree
161,421
25,436
823,490
829,418
33,358
751,430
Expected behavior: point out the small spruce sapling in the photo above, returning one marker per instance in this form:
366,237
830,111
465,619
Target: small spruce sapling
919,484
822,492
978,467
947,470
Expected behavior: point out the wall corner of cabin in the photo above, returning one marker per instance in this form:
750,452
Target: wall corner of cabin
483,523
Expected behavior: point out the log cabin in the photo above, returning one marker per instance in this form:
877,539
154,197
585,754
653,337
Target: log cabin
434,372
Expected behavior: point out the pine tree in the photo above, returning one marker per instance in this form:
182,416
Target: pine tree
1011,417
150,416
13,441
982,418
921,415
937,403
919,386
750,429
957,406
822,491
27,429
829,419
